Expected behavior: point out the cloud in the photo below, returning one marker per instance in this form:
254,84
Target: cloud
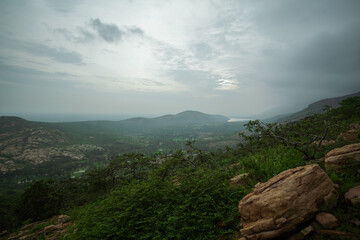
81,35
331,52
108,32
227,84
57,54
254,55
135,30
28,76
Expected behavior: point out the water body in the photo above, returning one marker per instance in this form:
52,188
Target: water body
239,119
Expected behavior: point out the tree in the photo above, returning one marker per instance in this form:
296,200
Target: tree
40,201
305,135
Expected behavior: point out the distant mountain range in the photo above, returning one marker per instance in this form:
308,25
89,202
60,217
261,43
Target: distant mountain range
29,148
183,118
316,107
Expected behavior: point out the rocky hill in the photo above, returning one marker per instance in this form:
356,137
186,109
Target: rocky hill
316,107
24,143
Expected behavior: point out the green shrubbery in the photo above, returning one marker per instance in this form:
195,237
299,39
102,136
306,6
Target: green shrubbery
270,161
192,207
186,194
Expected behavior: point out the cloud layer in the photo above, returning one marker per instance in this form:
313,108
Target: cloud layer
236,58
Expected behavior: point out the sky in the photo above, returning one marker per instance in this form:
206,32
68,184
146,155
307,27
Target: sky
236,58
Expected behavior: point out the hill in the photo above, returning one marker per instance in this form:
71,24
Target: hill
31,150
169,195
191,117
316,107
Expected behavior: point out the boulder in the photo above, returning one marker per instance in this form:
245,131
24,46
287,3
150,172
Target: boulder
327,220
343,157
279,205
239,179
353,196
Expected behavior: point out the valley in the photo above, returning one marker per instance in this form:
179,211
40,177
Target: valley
33,150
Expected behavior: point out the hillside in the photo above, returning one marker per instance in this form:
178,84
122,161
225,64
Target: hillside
282,179
24,144
30,150
316,107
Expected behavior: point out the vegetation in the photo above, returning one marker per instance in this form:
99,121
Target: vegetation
186,193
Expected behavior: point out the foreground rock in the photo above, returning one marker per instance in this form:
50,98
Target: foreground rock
353,196
286,200
327,220
344,157
54,228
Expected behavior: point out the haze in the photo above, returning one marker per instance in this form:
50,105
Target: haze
236,58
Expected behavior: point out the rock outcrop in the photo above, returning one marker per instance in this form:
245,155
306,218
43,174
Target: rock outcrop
286,200
353,196
54,228
343,157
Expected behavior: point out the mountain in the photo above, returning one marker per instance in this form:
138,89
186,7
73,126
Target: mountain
26,144
190,117
29,150
144,125
316,107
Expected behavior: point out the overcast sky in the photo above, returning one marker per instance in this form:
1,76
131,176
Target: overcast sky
236,58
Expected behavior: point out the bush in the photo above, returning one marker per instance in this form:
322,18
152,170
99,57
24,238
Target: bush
157,209
269,162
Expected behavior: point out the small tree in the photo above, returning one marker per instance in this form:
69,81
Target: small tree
306,135
40,201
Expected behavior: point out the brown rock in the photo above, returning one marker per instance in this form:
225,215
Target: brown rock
353,196
338,233
53,228
63,218
344,157
239,179
356,222
355,126
65,225
324,142
302,234
286,200
3,233
350,136
28,237
327,220
235,165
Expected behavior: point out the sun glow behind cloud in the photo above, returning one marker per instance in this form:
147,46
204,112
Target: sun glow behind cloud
176,53
226,84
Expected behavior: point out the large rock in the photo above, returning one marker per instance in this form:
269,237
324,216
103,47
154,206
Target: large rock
344,157
353,196
286,200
